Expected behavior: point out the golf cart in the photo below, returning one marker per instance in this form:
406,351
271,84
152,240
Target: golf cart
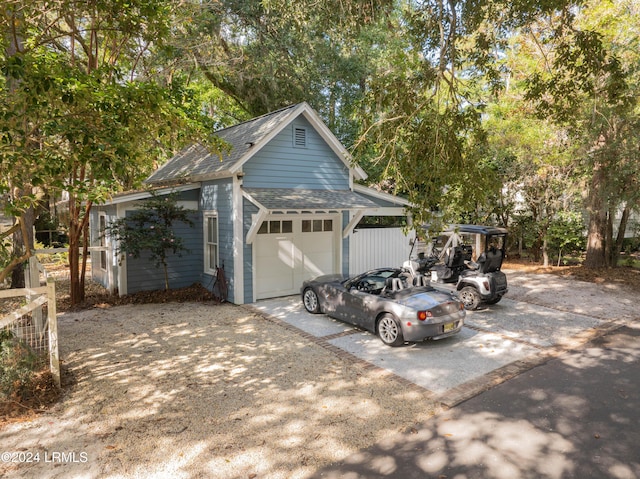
467,259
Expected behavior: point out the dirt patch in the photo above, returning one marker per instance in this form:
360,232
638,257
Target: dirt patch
36,399
97,297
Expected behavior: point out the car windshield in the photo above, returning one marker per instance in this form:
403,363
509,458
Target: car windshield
373,277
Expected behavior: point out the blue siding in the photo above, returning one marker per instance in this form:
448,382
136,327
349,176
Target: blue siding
249,209
184,270
281,165
217,196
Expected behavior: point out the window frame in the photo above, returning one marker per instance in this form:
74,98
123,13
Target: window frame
102,240
207,216
317,225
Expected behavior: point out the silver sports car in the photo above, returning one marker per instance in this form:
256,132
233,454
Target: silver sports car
385,302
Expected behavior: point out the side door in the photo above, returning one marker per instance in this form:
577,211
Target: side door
357,306
362,299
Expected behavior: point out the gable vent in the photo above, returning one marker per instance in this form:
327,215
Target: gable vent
300,137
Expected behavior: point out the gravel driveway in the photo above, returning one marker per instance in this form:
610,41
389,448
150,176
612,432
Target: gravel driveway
201,390
216,391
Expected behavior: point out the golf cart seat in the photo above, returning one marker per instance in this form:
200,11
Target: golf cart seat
457,256
492,261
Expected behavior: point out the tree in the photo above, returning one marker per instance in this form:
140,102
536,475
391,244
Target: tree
270,54
421,120
151,228
81,118
589,85
532,156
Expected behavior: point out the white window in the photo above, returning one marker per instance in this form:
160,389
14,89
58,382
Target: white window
211,259
316,226
102,238
276,227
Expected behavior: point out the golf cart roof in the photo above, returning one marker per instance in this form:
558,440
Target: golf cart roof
477,229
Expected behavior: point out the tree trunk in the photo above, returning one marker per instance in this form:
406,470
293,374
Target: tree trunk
22,244
545,252
78,221
17,274
166,275
74,260
596,236
23,237
622,228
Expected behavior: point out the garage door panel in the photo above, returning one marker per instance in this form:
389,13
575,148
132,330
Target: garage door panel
319,254
275,259
284,261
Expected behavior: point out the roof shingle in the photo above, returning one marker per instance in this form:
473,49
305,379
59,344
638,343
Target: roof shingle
294,199
196,161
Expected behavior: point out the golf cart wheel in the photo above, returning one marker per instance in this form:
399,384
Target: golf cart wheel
470,297
310,300
389,331
495,300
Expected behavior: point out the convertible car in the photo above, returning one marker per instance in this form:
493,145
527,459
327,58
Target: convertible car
387,303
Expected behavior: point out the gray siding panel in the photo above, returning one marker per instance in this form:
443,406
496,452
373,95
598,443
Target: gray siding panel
217,196
249,209
183,270
281,165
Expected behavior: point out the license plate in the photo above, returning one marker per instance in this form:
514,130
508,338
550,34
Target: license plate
449,327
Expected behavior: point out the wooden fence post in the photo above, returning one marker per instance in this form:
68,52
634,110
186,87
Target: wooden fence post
54,360
33,281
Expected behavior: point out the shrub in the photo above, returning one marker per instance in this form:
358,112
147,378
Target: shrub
17,365
566,233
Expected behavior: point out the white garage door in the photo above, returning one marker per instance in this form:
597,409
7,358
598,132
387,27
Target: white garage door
289,251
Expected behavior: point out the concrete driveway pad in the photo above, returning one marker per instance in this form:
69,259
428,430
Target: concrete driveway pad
438,366
495,343
291,311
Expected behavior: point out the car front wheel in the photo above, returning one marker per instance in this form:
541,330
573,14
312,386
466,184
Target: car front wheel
389,331
470,297
310,300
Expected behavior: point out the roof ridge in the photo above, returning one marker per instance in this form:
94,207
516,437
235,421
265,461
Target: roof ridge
290,107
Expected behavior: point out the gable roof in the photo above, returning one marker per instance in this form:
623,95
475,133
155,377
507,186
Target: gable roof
196,163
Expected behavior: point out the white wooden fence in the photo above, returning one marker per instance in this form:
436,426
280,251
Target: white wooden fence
35,323
378,248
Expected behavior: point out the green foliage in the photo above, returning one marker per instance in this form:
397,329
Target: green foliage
525,230
587,83
150,229
268,54
17,365
472,110
82,111
566,233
